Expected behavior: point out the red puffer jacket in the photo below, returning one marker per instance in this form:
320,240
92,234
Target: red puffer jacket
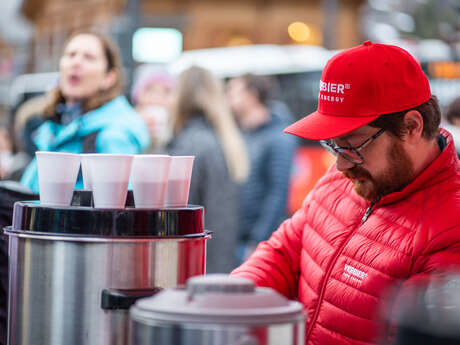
341,263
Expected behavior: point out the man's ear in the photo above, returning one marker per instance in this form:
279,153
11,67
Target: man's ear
413,121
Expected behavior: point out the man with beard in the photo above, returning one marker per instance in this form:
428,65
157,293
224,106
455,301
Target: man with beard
384,217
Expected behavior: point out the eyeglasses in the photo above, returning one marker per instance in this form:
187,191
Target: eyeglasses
351,154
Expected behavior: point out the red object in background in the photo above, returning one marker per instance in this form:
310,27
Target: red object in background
310,163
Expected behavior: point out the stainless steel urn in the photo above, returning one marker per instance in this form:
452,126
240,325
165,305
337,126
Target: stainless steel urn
75,271
217,310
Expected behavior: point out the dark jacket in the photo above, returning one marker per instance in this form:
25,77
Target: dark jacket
264,196
212,188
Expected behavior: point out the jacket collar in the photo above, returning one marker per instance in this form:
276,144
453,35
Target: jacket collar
444,167
51,135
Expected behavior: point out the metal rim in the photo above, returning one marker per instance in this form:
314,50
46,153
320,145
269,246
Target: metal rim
39,236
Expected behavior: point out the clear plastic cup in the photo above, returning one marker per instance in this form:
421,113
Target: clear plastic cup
110,177
180,174
149,178
85,170
57,174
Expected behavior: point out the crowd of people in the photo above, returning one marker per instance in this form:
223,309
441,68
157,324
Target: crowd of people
229,128
384,215
194,113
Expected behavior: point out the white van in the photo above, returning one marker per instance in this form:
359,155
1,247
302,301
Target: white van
297,68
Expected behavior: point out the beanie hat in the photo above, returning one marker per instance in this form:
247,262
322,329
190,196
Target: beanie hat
360,84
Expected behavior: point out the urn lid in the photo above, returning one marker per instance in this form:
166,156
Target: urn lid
218,299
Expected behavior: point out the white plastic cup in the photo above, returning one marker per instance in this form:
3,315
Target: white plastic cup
57,174
149,178
85,170
110,177
180,174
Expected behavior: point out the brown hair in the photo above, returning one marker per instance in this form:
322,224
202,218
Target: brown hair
262,85
102,96
200,93
453,111
394,122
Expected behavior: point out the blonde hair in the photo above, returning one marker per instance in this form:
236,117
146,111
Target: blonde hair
200,92
112,56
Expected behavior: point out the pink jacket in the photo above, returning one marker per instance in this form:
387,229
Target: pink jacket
341,263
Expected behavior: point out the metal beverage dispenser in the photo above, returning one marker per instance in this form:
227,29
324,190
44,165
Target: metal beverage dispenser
217,310
75,271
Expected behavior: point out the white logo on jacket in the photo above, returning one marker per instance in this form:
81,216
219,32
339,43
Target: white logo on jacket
354,273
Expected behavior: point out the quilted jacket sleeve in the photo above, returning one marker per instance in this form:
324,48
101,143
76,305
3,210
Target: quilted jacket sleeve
276,262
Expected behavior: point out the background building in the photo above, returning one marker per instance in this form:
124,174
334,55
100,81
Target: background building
203,23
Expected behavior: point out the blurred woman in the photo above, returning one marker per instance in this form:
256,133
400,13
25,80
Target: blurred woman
86,112
151,96
204,127
11,163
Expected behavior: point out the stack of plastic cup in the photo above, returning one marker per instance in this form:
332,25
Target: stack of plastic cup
57,173
157,180
110,178
180,174
149,178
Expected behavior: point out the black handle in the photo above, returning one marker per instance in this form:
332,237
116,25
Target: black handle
116,299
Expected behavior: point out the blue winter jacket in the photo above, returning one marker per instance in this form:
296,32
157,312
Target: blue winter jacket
118,128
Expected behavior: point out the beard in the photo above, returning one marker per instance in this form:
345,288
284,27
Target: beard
400,173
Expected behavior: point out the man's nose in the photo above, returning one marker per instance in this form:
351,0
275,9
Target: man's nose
343,164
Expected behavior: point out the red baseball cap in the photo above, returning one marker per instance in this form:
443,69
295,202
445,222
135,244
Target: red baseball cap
360,84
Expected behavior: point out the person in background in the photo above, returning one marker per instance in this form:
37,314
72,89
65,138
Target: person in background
87,113
264,196
152,96
453,122
27,118
11,163
204,127
384,216
6,148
